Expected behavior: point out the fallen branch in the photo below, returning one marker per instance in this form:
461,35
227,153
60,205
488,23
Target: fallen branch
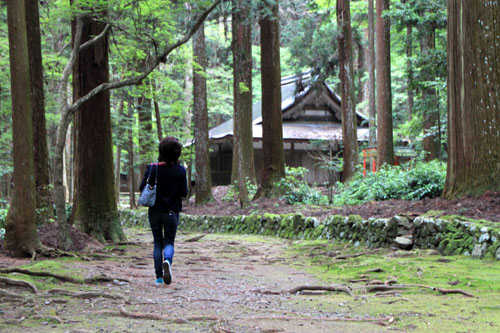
345,289
195,239
21,283
83,295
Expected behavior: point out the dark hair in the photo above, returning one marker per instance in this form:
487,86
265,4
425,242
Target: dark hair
169,149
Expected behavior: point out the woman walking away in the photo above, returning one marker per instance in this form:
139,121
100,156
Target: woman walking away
164,214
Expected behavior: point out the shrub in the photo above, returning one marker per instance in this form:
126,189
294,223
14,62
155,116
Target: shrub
424,180
296,190
233,191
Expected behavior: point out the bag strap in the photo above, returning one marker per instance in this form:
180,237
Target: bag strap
156,173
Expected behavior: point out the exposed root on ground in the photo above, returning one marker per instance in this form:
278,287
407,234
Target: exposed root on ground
83,295
103,278
64,278
153,316
195,239
50,317
344,289
384,287
355,255
8,294
12,282
380,320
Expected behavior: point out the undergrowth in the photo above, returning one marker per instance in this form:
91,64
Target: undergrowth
424,180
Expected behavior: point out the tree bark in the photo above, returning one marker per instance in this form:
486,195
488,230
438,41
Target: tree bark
94,209
44,208
146,137
372,111
130,149
203,187
473,95
348,106
243,154
157,112
409,78
119,151
20,225
429,95
385,149
272,122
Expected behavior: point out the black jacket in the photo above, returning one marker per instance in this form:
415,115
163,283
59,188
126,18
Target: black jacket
170,188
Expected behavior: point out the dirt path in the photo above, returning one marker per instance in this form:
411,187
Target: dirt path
221,284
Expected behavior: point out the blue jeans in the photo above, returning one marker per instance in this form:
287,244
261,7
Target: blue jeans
164,228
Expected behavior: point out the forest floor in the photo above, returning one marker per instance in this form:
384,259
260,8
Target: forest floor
486,207
244,283
239,283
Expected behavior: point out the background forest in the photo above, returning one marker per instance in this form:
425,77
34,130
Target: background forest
150,53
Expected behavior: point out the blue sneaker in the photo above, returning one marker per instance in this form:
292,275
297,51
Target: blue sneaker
167,272
159,281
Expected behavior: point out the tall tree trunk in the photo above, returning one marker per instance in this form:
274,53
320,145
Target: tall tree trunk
473,95
348,107
146,137
243,154
409,79
372,111
95,210
272,122
157,112
45,212
130,150
203,187
385,149
68,163
119,151
362,93
429,96
21,237
188,99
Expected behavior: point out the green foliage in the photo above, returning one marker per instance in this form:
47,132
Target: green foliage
233,191
3,216
424,180
296,190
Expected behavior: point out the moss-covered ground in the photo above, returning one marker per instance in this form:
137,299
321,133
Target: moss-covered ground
415,308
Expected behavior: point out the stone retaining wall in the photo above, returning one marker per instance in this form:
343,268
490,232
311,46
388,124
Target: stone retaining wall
450,236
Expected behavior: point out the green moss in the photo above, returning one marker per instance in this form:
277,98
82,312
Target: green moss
419,309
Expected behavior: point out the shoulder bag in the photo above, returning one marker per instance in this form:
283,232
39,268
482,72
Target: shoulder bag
148,194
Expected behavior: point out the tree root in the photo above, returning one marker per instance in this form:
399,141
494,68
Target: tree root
355,255
380,320
103,278
345,289
83,295
21,283
195,239
54,318
153,316
8,294
64,278
384,287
